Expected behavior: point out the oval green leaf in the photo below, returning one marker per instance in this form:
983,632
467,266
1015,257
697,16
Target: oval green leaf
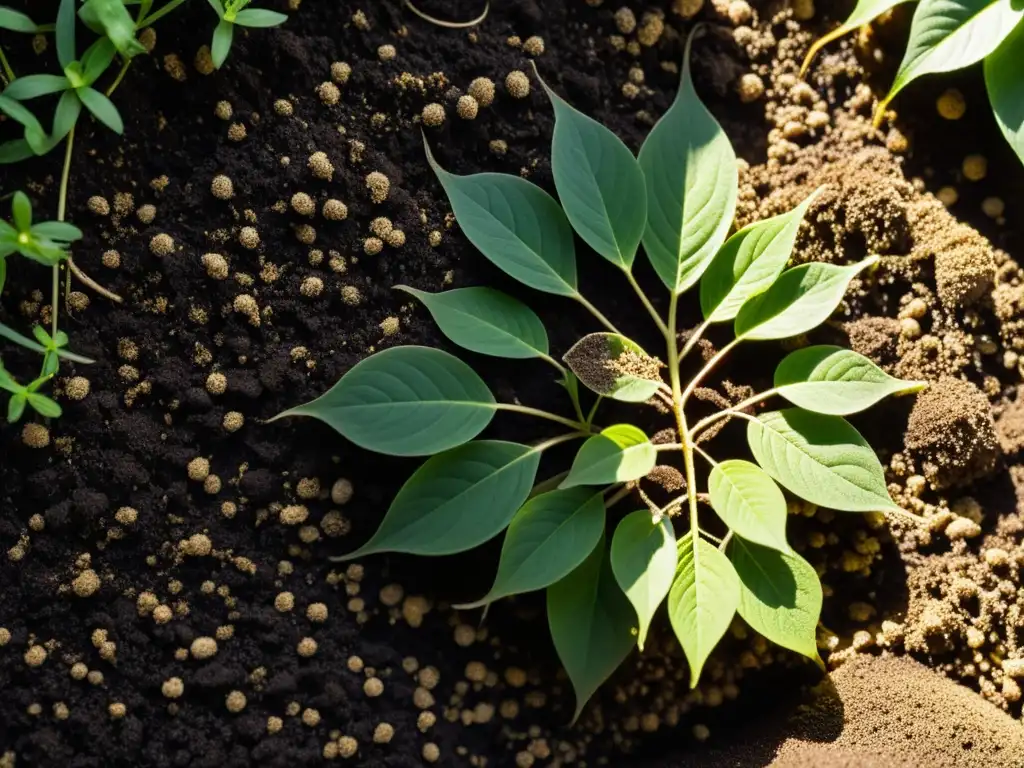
749,262
619,454
517,225
547,539
801,299
863,13
702,601
1004,81
692,183
614,366
780,596
591,624
599,183
457,500
486,321
643,557
749,502
405,401
822,459
952,34
16,21
836,381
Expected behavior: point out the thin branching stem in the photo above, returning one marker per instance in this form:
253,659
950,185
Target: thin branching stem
597,313
695,337
554,364
548,485
647,304
710,366
593,410
669,447
707,457
725,541
618,496
120,76
8,72
62,207
677,407
157,15
728,413
527,411
551,443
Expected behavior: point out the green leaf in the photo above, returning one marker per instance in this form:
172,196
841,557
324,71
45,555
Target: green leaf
952,34
64,33
257,17
749,262
702,601
21,211
599,183
801,299
218,7
749,502
34,86
486,321
44,406
102,108
111,18
20,113
643,557
58,231
12,335
692,183
863,13
68,109
7,381
457,500
405,401
223,36
836,381
3,270
16,21
591,624
517,225
780,596
548,538
614,366
1004,80
618,455
16,407
822,459
15,151
96,59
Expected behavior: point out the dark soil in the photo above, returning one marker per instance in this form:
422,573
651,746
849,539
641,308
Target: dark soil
130,442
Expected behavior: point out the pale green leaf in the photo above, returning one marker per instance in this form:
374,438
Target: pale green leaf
223,37
800,300
863,13
614,366
457,500
952,34
599,183
405,401
44,406
692,183
102,108
111,18
822,459
1004,80
749,502
486,321
260,17
591,624
780,596
16,21
515,224
702,601
836,381
749,262
643,557
64,33
547,539
34,86
619,454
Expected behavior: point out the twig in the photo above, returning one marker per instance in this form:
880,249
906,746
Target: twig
89,282
450,24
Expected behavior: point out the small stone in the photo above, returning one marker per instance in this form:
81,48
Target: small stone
962,528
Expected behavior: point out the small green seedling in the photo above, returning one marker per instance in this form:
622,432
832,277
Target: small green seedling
604,584
232,12
946,35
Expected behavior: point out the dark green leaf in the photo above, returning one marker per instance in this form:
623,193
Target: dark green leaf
15,151
643,558
16,21
111,18
405,401
223,35
780,596
548,538
836,381
591,624
749,502
702,601
1004,80
20,113
800,300
614,366
21,211
618,455
64,32
515,224
486,321
102,108
457,500
34,86
822,459
599,183
68,109
692,183
257,17
96,59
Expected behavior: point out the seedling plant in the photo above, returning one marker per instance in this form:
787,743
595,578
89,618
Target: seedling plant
946,35
115,33
677,199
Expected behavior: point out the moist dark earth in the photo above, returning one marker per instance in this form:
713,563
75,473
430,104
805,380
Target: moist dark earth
233,557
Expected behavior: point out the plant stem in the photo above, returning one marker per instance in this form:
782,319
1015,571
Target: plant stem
8,72
732,411
725,541
559,440
691,342
62,206
120,76
548,485
596,313
593,410
157,15
677,407
647,303
705,454
669,447
617,496
696,380
543,415
712,537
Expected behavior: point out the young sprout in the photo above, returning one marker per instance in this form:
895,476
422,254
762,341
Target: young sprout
232,12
